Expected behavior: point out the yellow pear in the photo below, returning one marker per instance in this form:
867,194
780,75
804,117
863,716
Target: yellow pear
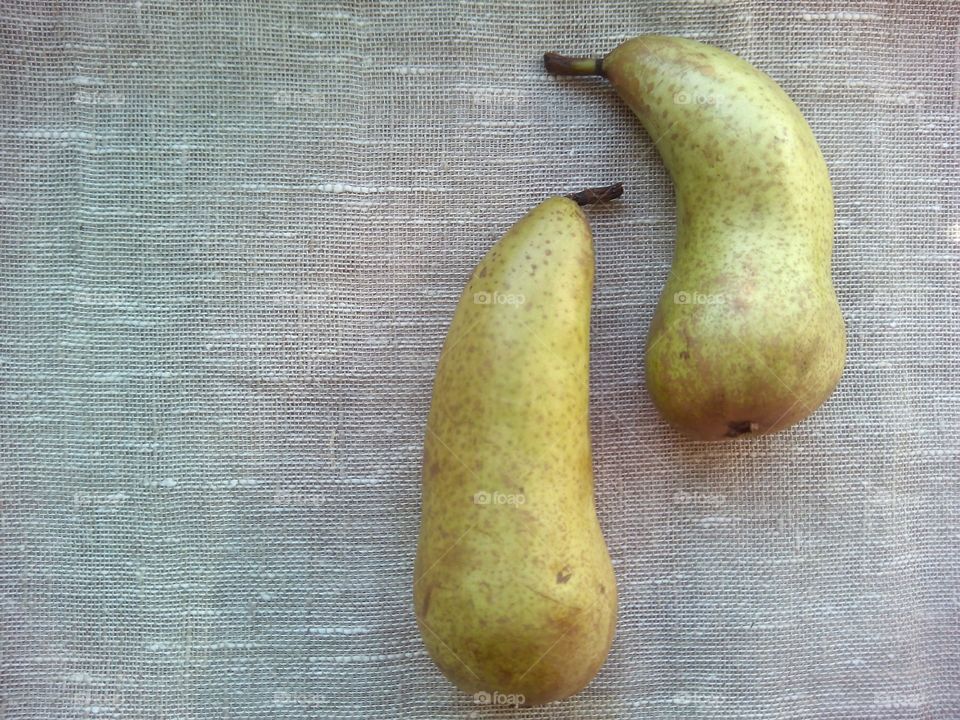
748,336
514,591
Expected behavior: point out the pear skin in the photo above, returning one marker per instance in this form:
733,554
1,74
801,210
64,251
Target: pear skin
747,337
514,591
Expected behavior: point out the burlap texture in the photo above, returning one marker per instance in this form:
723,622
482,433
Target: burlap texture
233,237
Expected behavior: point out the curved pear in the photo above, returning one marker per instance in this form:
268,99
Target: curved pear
514,591
747,336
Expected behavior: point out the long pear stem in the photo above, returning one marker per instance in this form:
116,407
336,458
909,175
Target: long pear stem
592,196
557,64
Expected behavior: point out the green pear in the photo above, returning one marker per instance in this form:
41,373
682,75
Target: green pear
748,336
514,591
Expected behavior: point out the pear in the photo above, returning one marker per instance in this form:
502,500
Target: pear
514,591
748,336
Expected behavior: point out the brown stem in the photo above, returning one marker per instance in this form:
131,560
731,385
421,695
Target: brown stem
557,64
592,196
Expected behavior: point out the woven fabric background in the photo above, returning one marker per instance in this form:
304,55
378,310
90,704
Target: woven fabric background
233,236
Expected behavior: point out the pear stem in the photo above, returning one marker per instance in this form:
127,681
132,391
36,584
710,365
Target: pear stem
592,196
557,64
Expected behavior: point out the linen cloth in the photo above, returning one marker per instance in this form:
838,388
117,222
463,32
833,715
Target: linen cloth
233,238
